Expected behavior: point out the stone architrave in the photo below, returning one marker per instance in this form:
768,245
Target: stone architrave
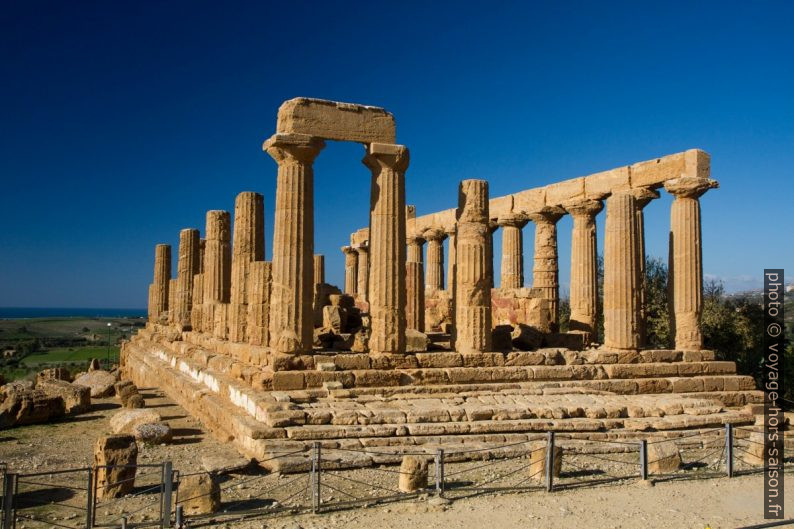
387,236
291,316
319,269
545,271
435,259
512,250
187,267
415,289
217,272
259,289
686,261
248,246
162,275
362,273
584,266
351,269
621,311
642,197
472,284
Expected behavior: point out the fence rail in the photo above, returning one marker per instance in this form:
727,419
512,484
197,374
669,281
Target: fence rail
79,498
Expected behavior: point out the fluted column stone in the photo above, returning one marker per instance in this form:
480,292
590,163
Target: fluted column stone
259,290
217,272
197,309
414,285
451,255
248,246
512,269
642,197
584,266
187,266
472,284
621,310
351,269
387,236
545,270
291,318
686,261
319,269
162,275
435,259
362,272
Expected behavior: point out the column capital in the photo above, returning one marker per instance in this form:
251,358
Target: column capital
515,220
415,238
348,250
387,155
546,215
492,226
451,231
286,148
583,207
361,247
643,196
689,186
434,234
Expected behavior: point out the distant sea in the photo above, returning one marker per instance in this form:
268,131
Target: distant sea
50,312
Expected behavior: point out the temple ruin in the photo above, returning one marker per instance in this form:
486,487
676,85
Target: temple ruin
413,353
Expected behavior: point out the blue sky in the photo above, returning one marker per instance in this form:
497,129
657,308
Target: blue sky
124,122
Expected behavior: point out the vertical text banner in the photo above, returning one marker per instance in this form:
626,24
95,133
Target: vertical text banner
774,345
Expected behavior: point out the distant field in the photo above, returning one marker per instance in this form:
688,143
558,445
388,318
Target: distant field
71,354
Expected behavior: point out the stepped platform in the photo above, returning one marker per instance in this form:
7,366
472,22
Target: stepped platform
373,410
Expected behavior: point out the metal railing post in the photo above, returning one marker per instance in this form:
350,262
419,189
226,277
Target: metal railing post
315,477
123,522
439,471
10,488
550,462
168,487
180,522
729,450
89,502
644,459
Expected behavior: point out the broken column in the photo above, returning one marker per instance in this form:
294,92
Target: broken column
362,273
686,261
217,273
545,271
162,275
584,267
351,269
291,318
259,289
186,268
249,246
414,285
472,284
512,250
621,311
388,163
642,197
435,259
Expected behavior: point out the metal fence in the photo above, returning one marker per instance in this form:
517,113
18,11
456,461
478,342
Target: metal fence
152,495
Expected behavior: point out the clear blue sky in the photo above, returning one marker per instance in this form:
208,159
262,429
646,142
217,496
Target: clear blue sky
123,122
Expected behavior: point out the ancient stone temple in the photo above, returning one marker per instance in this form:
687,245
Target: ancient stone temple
418,349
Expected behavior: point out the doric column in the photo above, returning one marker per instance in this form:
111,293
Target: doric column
386,298
217,271
249,246
319,269
291,319
472,293
171,300
187,266
642,197
545,271
685,268
351,269
512,250
492,227
451,258
621,311
202,247
259,283
435,259
197,309
162,275
362,272
414,285
584,266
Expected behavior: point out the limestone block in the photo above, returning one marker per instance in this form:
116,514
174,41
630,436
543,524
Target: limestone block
333,120
416,341
526,338
152,433
113,457
21,405
76,399
199,494
413,474
134,401
537,462
124,421
334,319
753,451
53,373
663,457
100,383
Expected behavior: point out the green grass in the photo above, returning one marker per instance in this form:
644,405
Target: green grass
71,354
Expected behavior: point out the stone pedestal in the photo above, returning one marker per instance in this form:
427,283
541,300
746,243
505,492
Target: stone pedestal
621,311
388,163
362,272
187,267
512,250
351,269
217,270
162,275
545,271
249,246
686,263
584,267
435,259
414,285
472,290
291,319
642,197
259,290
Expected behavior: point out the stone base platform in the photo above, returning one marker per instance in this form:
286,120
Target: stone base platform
438,399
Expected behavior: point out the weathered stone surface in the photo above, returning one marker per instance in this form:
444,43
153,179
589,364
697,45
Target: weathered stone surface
114,459
526,338
187,268
663,457
199,494
20,406
545,270
99,382
124,421
152,433
135,401
413,474
332,120
416,341
621,309
512,249
53,373
248,246
158,292
537,462
221,464
76,399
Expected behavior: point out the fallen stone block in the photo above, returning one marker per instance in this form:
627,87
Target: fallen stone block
54,373
76,399
152,433
28,406
663,457
537,462
100,382
413,474
199,494
125,420
115,457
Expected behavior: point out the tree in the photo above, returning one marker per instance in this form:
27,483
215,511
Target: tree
657,311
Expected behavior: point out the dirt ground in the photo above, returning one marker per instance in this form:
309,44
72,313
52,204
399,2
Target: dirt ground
702,500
